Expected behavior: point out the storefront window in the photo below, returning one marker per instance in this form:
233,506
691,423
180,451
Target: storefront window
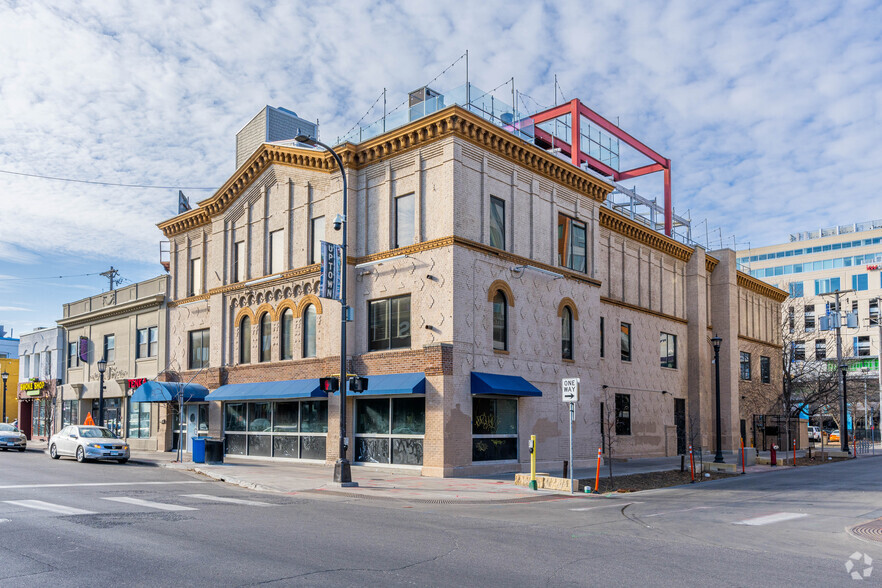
289,429
494,429
112,414
390,430
139,419
69,413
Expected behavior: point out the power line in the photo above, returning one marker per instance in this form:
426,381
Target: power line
3,171
50,277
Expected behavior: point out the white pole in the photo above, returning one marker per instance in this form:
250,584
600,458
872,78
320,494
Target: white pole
879,367
572,418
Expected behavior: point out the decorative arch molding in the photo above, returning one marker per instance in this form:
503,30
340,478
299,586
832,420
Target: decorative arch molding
309,299
285,304
567,302
265,307
242,314
498,285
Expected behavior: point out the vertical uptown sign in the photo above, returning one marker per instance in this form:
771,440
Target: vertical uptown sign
331,285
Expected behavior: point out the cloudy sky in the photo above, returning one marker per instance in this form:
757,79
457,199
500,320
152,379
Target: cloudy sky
769,111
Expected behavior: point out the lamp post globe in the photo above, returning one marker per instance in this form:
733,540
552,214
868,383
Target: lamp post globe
718,458
5,377
102,365
342,470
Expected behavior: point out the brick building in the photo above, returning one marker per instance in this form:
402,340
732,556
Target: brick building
483,269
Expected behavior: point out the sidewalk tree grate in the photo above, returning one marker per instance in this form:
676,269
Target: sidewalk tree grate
871,530
519,500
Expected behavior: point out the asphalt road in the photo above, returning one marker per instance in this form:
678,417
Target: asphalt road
138,525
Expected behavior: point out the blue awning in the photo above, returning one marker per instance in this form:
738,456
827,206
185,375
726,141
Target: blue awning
499,384
167,391
269,390
413,383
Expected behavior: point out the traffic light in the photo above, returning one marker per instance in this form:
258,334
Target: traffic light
358,384
329,384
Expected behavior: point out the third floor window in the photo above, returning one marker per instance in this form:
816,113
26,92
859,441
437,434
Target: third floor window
497,222
572,244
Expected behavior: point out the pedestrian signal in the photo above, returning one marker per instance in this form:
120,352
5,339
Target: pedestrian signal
329,384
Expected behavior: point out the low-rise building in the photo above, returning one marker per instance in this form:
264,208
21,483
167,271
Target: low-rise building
41,359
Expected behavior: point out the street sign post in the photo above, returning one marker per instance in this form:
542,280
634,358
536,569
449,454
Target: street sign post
570,390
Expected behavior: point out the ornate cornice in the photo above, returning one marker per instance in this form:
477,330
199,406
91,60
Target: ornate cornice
636,308
754,285
107,312
642,234
776,346
452,121
190,299
710,263
409,250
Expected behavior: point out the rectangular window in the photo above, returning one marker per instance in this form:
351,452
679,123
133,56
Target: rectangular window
494,429
820,349
288,429
73,359
874,311
626,341
389,323
109,348
317,234
153,342
862,346
826,286
623,414
809,318
497,223
390,430
668,350
239,261
765,369
745,365
276,251
198,349
796,290
602,350
791,318
799,351
404,221
572,244
69,413
195,277
142,345
859,282
139,419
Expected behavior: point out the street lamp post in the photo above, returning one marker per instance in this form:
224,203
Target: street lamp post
102,365
718,458
342,471
5,377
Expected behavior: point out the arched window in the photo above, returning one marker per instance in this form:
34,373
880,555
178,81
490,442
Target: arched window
566,333
309,331
265,334
245,340
500,322
287,334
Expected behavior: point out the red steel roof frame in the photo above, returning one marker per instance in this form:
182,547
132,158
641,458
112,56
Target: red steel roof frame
577,110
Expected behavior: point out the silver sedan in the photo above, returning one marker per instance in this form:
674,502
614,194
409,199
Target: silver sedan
87,443
12,438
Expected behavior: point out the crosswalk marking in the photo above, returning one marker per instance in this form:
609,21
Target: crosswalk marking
226,499
148,503
777,517
48,506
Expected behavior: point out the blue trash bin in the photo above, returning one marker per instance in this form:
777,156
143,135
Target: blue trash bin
198,449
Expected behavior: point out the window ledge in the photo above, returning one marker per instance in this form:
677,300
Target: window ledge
565,360
501,351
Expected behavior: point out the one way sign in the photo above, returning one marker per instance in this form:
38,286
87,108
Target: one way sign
570,388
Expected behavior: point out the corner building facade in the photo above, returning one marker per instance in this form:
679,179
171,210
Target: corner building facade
482,271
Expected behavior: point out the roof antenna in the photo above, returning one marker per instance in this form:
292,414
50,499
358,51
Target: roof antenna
111,275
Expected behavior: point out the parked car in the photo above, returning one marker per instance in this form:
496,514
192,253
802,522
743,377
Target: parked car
12,438
834,436
814,433
87,443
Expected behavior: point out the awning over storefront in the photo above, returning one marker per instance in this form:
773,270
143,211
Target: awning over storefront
167,391
413,383
268,390
498,384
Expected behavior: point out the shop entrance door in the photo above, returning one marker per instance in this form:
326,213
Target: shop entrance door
680,422
192,426
24,421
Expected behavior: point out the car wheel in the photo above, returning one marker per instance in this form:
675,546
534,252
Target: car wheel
81,455
122,460
22,448
53,452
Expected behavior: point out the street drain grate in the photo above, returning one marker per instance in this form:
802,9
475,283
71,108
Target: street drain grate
522,500
871,530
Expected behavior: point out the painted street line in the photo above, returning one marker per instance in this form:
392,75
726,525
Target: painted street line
48,506
148,503
778,517
618,504
4,520
89,484
658,514
225,499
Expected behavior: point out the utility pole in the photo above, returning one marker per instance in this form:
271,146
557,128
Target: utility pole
111,275
843,426
879,366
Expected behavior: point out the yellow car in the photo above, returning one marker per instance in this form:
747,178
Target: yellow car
834,436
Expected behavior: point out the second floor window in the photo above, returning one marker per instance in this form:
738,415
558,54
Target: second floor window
497,222
199,346
195,277
286,337
626,341
109,348
276,251
147,342
765,369
266,332
745,365
309,331
389,323
245,340
238,261
317,234
73,359
668,350
500,322
404,219
566,333
571,244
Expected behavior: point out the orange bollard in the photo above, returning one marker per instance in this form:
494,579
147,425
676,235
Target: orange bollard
742,457
597,473
794,453
692,465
